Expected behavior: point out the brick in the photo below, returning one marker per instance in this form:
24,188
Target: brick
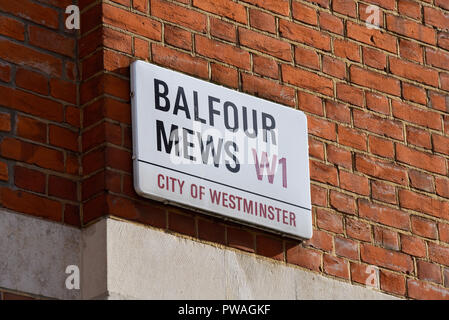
334,67
29,57
268,89
224,75
372,37
278,6
307,258
320,240
421,180
181,223
142,48
342,202
411,29
346,49
329,221
383,192
386,238
374,58
381,169
443,230
357,229
4,172
392,282
240,239
262,21
438,253
413,246
228,9
418,137
339,156
443,40
179,15
377,102
270,247
32,11
63,137
381,147
321,128
211,231
32,129
323,173
318,195
336,266
414,93
374,80
436,18
268,45
362,273
147,213
386,258
117,40
423,204
420,159
12,28
310,103
307,80
304,13
349,94
44,157
63,90
354,183
427,291
409,8
440,144
304,35
222,52
422,117
265,66
179,61
439,101
379,125
119,159
93,161
331,23
32,104
346,248
442,186
178,37
307,58
32,81
410,50
29,179
337,111
413,71
5,121
429,271
62,188
442,4
352,138
31,204
384,215
321,3
128,21
223,30
52,41
5,72
346,7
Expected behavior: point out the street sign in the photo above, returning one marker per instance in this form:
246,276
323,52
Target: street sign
226,153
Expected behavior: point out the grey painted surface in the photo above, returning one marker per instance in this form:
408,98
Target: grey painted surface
123,260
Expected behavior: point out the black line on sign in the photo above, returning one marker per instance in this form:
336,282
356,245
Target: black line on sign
223,184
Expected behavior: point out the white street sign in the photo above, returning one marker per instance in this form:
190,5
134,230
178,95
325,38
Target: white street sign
229,154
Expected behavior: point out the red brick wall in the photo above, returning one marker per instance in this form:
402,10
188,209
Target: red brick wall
39,113
376,102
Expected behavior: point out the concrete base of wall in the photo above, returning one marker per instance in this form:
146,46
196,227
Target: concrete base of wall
123,260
